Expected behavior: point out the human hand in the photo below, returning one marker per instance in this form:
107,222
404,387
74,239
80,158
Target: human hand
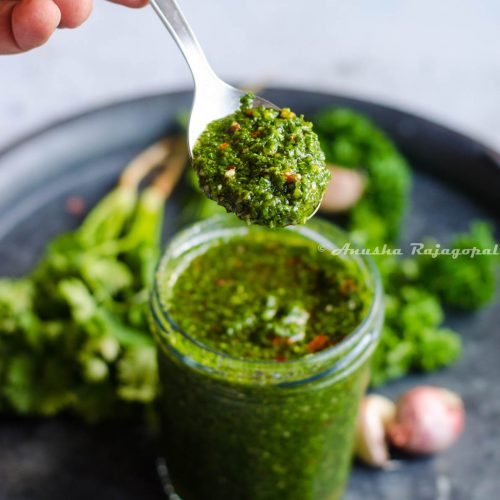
26,24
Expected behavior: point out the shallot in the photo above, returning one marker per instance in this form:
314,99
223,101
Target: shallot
428,420
344,189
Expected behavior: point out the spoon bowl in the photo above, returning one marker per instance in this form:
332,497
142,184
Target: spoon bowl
212,100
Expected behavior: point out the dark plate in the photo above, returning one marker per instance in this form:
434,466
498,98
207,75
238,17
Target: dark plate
456,180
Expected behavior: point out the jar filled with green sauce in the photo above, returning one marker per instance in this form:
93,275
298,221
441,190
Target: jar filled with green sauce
262,372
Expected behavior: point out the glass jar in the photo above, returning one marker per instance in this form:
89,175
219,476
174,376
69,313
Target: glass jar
240,429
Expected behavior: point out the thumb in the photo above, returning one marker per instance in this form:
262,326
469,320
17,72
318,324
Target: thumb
26,24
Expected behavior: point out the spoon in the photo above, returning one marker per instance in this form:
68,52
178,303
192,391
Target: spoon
213,98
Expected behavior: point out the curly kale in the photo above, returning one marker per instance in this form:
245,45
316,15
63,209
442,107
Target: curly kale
350,140
463,281
413,338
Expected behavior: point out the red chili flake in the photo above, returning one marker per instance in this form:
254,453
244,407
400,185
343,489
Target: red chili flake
280,358
234,127
230,167
249,112
255,133
75,205
224,146
292,177
292,261
278,341
347,286
221,282
318,343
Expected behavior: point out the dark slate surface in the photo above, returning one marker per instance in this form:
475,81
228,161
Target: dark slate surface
63,459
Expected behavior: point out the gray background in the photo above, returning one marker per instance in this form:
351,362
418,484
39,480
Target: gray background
437,58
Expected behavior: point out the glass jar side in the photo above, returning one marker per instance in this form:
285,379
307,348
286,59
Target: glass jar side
236,428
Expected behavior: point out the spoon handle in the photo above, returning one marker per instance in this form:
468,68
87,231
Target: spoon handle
173,18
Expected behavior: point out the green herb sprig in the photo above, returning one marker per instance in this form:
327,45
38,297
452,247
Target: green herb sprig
74,335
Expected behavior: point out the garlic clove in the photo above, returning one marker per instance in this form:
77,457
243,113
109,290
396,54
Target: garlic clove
375,415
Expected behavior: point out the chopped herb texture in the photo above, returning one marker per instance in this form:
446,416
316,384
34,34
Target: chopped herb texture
273,295
263,164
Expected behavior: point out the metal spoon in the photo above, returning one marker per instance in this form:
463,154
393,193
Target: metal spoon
213,98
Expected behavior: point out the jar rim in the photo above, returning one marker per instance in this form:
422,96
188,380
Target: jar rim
310,231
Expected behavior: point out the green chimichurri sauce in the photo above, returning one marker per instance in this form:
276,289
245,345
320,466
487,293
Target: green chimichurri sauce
259,298
250,409
265,165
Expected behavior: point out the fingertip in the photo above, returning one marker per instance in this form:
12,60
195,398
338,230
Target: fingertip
73,12
138,4
33,21
134,4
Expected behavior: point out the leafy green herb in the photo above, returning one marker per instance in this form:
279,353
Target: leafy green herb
463,282
352,141
74,335
413,338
